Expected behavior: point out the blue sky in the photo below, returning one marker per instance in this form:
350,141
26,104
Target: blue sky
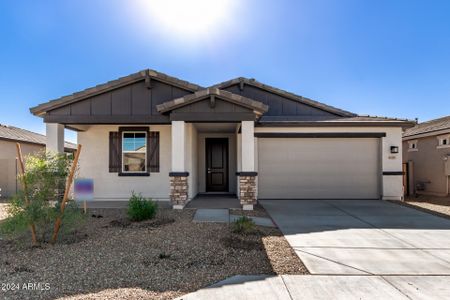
389,58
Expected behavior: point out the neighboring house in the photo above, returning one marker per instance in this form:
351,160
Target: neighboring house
30,142
170,140
426,154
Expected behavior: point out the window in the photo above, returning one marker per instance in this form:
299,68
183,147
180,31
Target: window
444,141
134,152
412,145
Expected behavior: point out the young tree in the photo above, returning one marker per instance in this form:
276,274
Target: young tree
41,201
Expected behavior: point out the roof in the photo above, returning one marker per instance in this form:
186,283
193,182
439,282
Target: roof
198,92
429,127
111,85
327,121
283,93
203,94
22,135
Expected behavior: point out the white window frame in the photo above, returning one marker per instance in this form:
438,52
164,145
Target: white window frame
413,145
441,139
145,153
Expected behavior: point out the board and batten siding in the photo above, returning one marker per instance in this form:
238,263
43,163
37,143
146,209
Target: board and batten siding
134,103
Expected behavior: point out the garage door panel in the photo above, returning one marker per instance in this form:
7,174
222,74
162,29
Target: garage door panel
302,168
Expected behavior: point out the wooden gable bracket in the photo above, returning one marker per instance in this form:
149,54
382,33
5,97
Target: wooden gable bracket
148,81
241,84
212,101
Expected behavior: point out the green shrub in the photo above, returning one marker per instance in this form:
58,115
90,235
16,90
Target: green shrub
243,225
140,208
45,177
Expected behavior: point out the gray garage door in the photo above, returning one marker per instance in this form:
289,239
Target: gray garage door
318,168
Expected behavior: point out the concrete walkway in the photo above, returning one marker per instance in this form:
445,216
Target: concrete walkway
222,215
363,237
318,287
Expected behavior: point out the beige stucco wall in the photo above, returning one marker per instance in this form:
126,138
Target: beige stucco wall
191,159
109,186
94,163
8,154
428,165
392,186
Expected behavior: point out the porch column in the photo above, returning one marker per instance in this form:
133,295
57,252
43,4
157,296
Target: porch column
247,176
178,176
55,137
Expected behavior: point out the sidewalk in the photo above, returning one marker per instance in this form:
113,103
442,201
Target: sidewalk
325,287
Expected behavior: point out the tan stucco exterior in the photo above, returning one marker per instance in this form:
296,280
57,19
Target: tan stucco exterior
110,186
428,165
8,173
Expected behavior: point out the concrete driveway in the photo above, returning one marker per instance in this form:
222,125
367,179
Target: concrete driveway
363,237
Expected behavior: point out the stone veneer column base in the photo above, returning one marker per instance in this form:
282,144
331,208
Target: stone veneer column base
179,189
247,189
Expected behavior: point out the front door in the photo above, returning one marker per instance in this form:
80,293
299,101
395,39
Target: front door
216,164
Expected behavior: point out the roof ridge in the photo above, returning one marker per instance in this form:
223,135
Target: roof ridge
112,84
435,120
387,118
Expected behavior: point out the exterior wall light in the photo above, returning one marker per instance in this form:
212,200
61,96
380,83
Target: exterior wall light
394,149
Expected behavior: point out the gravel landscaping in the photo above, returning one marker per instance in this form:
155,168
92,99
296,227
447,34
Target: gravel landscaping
439,206
110,257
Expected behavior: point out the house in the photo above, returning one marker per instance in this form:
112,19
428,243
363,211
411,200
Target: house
426,155
30,142
171,140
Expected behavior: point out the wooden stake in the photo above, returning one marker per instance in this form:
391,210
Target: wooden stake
24,184
85,206
66,195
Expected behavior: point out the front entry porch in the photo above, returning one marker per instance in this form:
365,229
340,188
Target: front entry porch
214,201
210,162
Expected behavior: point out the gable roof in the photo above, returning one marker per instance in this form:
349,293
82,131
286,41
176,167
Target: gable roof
204,94
146,74
283,93
429,127
22,135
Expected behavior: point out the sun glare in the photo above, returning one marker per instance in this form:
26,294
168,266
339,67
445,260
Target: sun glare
190,17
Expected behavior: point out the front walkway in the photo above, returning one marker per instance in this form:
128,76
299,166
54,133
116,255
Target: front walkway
214,201
293,287
363,237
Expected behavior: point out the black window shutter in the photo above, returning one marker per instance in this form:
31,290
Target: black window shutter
115,152
153,151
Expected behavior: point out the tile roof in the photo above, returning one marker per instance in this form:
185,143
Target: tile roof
110,85
429,126
22,135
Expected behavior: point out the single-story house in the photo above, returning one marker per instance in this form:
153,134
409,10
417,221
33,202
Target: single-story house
30,142
426,157
171,140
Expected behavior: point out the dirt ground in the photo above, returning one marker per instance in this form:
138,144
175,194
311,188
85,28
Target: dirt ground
439,206
110,257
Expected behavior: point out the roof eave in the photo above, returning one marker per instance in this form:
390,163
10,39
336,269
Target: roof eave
41,109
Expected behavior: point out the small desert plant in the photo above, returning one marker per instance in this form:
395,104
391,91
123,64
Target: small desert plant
140,208
243,225
163,255
39,204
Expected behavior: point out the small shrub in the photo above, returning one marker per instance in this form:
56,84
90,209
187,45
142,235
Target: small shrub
140,208
243,225
164,255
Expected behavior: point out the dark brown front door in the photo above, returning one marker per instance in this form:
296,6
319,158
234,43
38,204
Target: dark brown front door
216,165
